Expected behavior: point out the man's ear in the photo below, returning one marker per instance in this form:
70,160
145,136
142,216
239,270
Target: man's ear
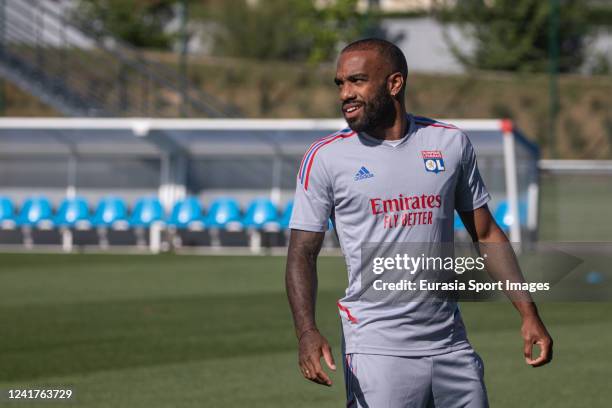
395,83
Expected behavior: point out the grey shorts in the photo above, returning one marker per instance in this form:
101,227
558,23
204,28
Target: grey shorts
450,380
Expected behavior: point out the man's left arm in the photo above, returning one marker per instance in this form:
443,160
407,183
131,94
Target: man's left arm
501,264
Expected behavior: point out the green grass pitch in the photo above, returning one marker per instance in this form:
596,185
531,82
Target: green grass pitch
212,331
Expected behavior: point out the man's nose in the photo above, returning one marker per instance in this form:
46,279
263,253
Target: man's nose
346,93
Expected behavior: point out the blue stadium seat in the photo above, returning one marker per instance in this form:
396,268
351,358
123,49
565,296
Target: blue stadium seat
111,213
261,214
73,213
147,210
504,218
7,213
224,213
284,221
36,212
458,224
286,218
187,214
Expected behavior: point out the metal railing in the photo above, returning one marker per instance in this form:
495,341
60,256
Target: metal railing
86,72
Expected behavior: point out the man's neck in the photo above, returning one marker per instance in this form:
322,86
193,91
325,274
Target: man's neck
395,130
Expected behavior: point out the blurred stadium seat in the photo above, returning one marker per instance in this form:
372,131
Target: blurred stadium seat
147,210
36,212
286,217
73,213
224,213
148,213
261,214
458,224
111,213
7,213
187,214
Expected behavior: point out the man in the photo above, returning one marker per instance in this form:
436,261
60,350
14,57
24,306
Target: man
411,354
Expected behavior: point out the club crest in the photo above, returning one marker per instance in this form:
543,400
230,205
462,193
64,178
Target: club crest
434,162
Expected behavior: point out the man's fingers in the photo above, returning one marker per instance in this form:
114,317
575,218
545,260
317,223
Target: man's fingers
537,361
312,348
329,358
305,372
545,354
323,379
534,332
308,371
311,370
321,376
527,350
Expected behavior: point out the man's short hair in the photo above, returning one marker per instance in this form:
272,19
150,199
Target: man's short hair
394,56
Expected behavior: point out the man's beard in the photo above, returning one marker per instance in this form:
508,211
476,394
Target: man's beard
378,113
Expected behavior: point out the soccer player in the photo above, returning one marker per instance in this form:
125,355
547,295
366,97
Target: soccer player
392,177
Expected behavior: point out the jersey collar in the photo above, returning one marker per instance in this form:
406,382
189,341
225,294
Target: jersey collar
390,144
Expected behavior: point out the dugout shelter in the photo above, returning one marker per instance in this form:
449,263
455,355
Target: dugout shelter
154,171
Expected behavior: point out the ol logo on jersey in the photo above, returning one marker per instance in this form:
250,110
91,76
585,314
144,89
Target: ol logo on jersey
434,162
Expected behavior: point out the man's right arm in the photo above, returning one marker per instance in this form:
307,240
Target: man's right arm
301,284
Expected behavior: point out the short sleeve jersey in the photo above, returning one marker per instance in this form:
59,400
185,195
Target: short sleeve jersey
377,191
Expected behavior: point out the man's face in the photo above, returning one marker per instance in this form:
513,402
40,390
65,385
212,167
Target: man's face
361,77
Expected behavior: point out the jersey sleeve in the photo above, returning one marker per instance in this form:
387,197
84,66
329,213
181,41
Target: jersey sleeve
313,201
470,192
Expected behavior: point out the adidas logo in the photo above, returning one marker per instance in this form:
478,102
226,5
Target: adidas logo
363,173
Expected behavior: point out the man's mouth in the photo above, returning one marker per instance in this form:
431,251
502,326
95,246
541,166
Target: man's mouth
351,110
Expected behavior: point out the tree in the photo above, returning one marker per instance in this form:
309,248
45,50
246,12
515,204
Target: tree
141,23
513,35
287,29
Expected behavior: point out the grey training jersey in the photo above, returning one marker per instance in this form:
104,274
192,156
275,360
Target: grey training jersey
376,191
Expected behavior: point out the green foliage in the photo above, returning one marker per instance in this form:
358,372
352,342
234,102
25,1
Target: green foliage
600,14
513,35
141,23
293,30
602,64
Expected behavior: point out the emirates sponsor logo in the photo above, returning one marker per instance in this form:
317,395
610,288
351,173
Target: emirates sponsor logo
404,203
405,211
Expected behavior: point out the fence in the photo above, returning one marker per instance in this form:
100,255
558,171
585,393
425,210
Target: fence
575,200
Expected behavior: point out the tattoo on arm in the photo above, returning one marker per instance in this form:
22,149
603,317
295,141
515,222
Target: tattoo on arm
301,277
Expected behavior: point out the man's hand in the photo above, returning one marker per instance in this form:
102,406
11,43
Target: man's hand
312,347
534,332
